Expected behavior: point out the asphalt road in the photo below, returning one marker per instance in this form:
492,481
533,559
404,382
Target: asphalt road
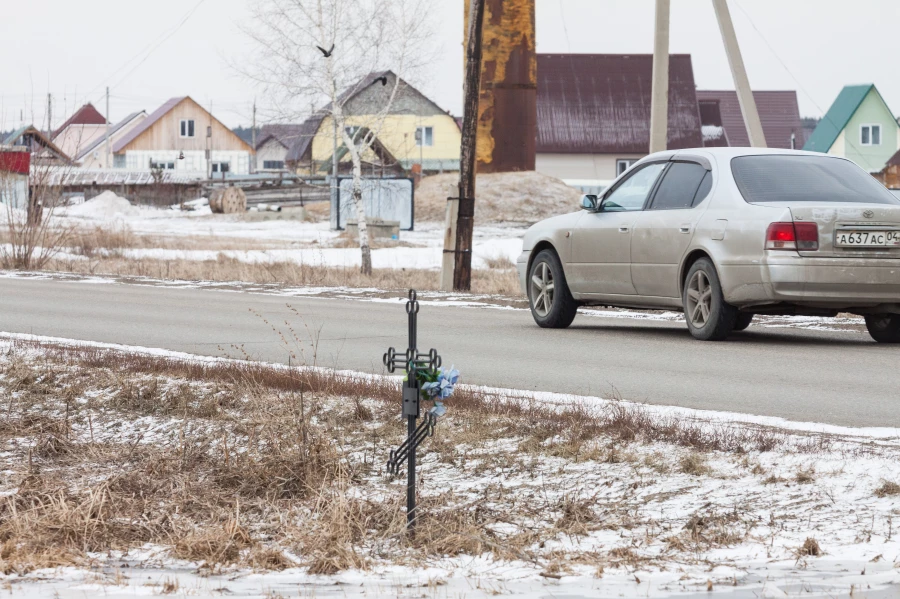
839,378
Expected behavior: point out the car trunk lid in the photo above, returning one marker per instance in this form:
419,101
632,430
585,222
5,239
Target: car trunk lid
852,230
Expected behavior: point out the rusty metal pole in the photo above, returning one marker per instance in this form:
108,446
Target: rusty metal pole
462,263
507,106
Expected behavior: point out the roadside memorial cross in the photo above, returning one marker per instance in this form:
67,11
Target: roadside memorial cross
418,366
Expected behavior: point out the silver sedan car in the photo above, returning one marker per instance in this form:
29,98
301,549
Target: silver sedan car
724,234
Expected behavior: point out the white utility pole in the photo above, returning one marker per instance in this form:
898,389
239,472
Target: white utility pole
659,102
106,162
49,117
739,73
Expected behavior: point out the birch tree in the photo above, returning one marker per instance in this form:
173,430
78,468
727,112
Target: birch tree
320,52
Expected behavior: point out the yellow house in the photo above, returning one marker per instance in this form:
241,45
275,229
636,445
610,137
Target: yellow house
416,131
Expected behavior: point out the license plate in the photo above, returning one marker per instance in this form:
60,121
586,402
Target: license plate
867,239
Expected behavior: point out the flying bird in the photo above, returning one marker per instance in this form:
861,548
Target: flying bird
383,80
326,53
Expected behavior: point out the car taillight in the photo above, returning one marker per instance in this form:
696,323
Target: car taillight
793,236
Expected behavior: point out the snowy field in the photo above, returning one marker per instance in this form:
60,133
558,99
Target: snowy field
288,240
530,495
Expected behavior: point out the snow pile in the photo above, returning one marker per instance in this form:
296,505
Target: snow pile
523,197
106,206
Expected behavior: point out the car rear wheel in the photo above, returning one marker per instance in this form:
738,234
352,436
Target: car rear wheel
884,328
743,321
552,305
709,317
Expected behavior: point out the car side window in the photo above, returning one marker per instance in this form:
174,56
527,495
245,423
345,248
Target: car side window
631,193
679,186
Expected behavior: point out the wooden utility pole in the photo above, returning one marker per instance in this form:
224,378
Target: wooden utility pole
461,210
739,73
106,162
659,103
253,164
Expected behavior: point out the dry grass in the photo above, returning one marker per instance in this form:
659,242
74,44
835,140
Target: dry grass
694,464
224,269
887,489
809,548
228,462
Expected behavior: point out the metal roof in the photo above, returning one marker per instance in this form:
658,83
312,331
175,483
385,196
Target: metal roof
285,134
837,117
112,131
778,113
600,103
86,115
147,123
305,134
36,137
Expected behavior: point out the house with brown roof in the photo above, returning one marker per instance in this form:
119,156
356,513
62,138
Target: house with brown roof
273,143
182,136
593,112
43,151
415,131
80,130
723,123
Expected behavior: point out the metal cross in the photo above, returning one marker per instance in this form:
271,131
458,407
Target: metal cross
411,360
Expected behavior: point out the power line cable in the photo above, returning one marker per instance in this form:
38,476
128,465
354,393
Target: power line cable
791,74
152,49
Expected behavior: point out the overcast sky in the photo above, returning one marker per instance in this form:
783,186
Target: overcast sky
73,49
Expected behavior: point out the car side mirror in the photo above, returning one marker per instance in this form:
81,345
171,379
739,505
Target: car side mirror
589,202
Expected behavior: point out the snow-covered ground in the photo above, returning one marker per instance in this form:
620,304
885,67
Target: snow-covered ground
616,518
292,240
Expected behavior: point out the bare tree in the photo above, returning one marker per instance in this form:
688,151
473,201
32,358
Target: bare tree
33,237
315,52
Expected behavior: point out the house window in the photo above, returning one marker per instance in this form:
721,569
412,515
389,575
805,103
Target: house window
187,128
623,164
119,161
352,130
275,165
870,135
425,136
165,166
220,167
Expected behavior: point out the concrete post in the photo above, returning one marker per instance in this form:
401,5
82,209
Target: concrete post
739,73
659,103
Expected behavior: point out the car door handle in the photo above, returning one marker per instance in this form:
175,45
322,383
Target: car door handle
623,229
684,229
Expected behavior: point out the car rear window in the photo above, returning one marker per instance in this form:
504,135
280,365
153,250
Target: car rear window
783,178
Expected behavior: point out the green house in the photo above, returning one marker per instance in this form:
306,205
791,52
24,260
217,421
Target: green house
859,126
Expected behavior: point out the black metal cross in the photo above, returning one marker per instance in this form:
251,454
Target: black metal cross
411,361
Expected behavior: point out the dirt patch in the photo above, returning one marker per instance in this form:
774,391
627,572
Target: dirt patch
524,197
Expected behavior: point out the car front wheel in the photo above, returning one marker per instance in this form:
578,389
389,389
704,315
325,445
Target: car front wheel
552,305
884,328
709,317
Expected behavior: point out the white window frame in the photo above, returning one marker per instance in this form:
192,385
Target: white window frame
216,166
184,128
871,127
626,162
425,136
166,165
